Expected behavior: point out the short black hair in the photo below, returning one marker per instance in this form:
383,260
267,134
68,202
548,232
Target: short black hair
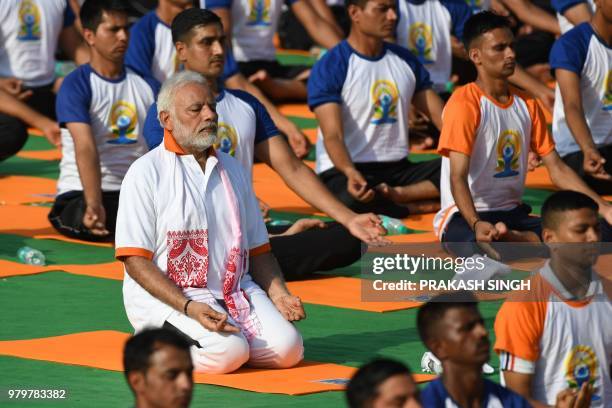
92,11
481,23
188,19
359,3
561,201
434,310
139,348
363,387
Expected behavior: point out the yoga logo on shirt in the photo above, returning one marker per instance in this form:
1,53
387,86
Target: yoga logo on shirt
581,367
607,99
508,153
420,42
384,98
122,121
260,13
29,21
227,141
188,258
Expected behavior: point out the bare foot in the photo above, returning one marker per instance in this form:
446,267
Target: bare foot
398,195
509,235
260,75
422,144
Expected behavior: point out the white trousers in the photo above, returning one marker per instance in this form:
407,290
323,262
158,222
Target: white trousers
278,344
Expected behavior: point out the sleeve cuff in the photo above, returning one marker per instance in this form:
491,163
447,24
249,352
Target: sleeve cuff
124,252
259,250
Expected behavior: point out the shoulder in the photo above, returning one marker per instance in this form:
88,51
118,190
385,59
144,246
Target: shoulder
468,96
243,96
570,50
508,397
579,35
433,394
143,84
147,167
403,53
336,58
78,81
146,24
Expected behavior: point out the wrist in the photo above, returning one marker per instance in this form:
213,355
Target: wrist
474,223
186,307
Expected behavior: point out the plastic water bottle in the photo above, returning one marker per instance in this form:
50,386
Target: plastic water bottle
31,256
280,223
393,226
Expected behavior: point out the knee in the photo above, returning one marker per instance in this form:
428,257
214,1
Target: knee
13,135
287,350
228,354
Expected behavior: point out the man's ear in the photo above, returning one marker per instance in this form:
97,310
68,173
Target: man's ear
353,12
137,381
548,235
166,120
474,55
181,48
89,36
438,348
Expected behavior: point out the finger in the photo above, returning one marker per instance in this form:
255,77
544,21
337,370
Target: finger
229,328
24,95
583,399
368,195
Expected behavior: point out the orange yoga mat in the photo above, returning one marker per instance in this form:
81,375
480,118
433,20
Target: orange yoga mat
413,238
103,350
296,109
539,178
31,221
311,134
54,154
25,220
422,222
26,189
271,189
342,292
110,270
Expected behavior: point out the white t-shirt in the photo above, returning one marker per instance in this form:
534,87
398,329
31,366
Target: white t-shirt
29,33
569,341
582,52
374,95
254,23
115,110
157,188
243,123
425,28
497,138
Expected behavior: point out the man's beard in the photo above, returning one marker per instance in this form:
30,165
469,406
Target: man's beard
195,141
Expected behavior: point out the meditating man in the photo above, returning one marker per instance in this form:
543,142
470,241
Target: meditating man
195,247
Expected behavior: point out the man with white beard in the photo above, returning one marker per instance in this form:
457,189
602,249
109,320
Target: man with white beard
195,248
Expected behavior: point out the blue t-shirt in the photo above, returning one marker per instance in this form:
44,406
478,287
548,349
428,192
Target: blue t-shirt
243,123
375,124
151,52
495,396
582,52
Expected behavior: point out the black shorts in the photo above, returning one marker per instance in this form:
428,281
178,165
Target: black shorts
398,173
